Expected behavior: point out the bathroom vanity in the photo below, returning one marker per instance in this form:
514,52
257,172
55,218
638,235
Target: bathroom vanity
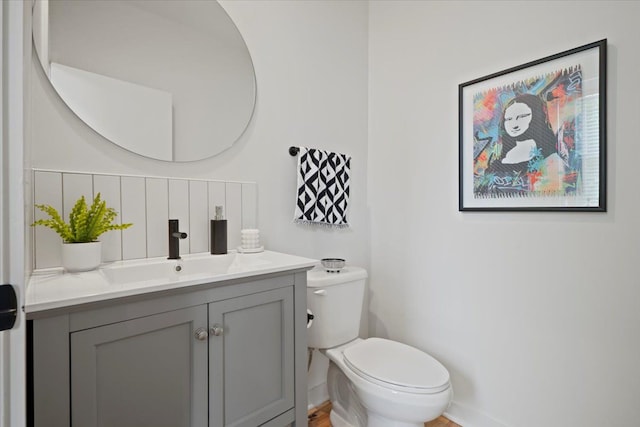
203,341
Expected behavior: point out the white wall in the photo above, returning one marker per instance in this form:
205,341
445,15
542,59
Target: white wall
311,66
534,314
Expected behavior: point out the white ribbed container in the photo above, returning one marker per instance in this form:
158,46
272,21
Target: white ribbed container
250,238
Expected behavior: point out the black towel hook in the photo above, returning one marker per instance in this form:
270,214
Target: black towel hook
294,151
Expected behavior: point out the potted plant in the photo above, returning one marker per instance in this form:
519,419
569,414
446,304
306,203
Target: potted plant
81,250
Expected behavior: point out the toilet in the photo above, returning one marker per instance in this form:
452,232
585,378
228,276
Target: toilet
372,382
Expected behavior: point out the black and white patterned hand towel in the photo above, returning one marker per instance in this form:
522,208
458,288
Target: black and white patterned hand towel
323,187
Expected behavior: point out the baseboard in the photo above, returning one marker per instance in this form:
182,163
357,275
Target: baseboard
468,417
317,395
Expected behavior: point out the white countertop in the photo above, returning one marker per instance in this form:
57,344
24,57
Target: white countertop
53,288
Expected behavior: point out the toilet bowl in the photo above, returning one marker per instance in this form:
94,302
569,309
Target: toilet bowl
372,382
396,385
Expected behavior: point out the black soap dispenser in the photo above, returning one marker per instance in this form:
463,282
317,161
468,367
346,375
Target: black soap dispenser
218,233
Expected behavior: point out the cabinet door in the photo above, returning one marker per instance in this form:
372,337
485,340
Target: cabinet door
146,372
251,365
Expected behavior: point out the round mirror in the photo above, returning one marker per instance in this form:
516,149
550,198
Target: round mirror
167,79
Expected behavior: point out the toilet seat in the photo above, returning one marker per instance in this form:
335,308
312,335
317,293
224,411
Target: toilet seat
396,366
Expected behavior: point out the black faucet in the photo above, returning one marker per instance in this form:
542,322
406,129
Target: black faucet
174,239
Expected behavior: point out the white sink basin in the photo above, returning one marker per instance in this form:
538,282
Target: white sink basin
139,272
168,270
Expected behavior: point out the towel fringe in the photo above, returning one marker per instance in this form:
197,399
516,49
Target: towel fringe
320,224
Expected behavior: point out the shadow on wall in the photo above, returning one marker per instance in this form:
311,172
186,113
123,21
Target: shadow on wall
377,328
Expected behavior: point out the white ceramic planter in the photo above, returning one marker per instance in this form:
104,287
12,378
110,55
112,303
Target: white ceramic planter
81,256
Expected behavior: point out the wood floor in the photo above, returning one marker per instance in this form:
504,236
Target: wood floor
319,417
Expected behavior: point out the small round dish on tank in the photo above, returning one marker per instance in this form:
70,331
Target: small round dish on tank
332,265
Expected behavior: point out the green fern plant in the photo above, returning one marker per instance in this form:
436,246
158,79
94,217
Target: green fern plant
85,224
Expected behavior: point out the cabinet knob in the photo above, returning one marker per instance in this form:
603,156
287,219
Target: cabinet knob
201,334
216,330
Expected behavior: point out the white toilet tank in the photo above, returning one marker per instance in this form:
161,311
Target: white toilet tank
335,300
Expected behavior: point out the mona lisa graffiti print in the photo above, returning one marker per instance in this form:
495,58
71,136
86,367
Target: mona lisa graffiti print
525,137
532,137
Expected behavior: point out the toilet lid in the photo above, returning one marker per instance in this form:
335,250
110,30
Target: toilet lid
397,366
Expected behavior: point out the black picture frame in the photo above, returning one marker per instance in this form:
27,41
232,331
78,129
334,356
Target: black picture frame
509,122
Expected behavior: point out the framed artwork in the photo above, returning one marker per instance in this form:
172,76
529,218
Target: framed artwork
532,138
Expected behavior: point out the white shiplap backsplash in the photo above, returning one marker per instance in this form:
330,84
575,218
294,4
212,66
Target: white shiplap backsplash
148,203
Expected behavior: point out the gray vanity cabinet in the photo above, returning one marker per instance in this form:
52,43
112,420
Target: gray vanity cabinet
150,371
217,356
